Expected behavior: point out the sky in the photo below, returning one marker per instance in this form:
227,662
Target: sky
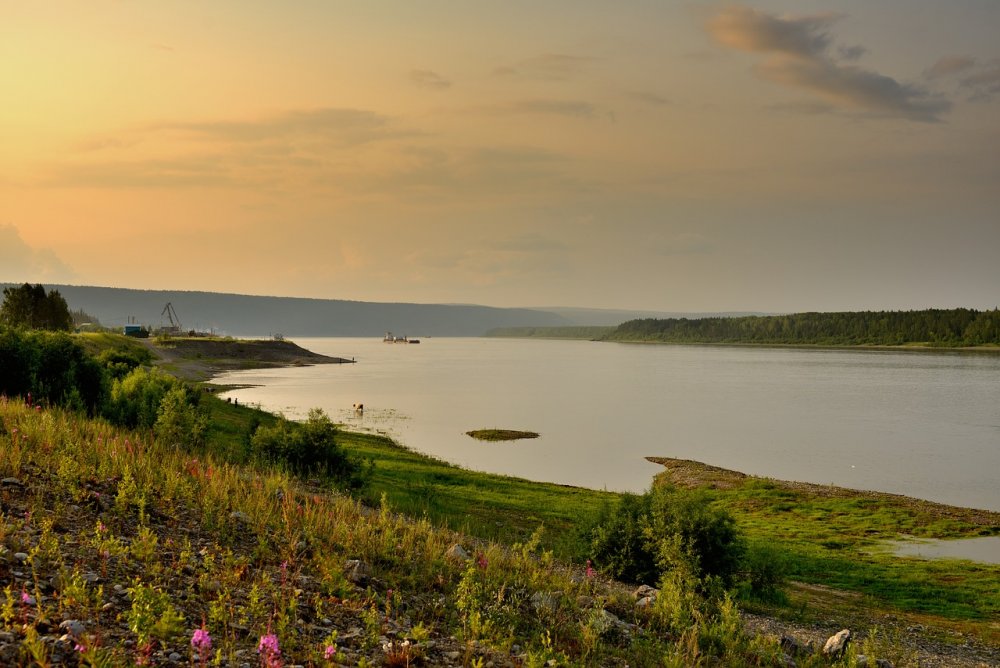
771,156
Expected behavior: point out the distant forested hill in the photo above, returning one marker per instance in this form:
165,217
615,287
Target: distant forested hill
246,315
939,327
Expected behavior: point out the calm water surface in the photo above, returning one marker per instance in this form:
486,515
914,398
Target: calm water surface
922,424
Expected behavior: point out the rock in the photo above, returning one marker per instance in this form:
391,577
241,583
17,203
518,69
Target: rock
7,637
645,603
357,571
864,662
546,600
11,482
584,602
457,553
452,656
74,627
788,662
837,643
240,517
645,591
175,657
794,647
21,556
91,578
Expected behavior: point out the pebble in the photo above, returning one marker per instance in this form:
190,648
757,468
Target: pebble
74,627
175,657
21,556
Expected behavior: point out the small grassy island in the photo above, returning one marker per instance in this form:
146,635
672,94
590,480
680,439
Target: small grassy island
501,434
144,520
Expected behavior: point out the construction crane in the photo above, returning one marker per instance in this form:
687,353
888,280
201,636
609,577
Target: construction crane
171,313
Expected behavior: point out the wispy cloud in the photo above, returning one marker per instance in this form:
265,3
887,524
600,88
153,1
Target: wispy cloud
547,67
429,79
798,51
949,65
345,126
984,84
649,98
684,243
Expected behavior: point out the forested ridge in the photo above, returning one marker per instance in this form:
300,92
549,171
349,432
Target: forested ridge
936,327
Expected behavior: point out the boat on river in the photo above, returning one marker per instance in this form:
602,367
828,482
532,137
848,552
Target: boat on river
389,338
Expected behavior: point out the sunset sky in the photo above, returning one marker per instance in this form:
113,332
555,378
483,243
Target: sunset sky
771,156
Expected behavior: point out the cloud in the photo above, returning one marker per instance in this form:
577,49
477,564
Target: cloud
948,66
984,84
269,152
806,107
798,56
429,79
530,243
569,108
546,67
344,126
649,98
685,243
20,263
750,30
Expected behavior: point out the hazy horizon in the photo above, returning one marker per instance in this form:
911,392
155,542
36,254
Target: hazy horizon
768,156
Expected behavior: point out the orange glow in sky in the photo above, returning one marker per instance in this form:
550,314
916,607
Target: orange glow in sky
773,156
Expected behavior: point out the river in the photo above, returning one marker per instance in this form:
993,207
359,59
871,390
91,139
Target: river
924,424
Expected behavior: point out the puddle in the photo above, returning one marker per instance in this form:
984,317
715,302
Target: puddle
985,549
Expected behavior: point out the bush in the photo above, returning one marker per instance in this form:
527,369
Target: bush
52,368
178,423
765,569
667,529
308,448
135,399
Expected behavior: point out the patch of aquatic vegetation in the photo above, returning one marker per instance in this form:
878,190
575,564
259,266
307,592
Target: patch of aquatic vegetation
501,434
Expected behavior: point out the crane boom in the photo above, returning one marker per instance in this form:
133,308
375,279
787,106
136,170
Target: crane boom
171,313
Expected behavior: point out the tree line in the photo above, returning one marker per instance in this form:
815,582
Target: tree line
938,327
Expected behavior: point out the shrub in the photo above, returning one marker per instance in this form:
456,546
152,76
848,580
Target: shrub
178,423
135,399
308,448
667,529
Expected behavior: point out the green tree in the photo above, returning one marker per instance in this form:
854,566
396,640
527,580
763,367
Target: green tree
31,307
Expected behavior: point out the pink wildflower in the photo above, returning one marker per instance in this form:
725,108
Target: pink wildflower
330,652
269,651
79,648
590,570
26,598
201,640
481,561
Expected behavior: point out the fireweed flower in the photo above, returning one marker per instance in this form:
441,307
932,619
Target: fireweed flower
590,571
330,652
269,651
201,640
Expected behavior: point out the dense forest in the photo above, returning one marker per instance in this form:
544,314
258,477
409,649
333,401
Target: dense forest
935,327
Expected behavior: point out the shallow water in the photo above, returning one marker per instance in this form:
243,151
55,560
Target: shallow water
922,424
985,549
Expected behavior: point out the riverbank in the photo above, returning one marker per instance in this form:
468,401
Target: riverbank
199,359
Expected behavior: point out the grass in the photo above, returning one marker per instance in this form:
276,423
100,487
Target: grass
500,434
830,537
144,548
